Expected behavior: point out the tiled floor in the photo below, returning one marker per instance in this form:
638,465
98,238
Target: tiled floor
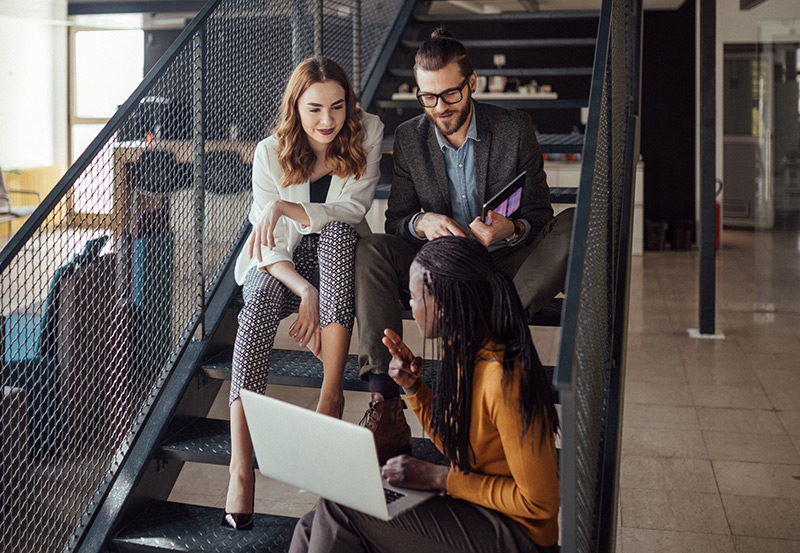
711,432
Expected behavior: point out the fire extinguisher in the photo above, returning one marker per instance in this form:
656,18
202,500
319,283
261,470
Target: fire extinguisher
717,215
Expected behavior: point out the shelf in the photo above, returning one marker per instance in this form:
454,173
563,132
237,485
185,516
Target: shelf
400,96
513,101
517,72
517,43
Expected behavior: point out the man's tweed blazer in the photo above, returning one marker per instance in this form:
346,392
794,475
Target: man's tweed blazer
505,147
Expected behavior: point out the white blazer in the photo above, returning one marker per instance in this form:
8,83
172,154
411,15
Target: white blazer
348,198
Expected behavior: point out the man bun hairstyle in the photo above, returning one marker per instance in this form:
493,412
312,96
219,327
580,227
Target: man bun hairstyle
439,51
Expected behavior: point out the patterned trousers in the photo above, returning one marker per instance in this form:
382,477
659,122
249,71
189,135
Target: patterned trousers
327,261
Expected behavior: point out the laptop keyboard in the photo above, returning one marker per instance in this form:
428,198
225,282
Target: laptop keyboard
392,496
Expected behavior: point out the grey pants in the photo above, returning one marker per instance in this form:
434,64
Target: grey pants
440,525
538,268
326,260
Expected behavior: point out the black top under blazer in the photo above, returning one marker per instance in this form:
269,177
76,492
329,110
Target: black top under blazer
507,145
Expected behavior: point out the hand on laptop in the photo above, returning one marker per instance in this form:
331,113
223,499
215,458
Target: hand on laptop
408,472
404,368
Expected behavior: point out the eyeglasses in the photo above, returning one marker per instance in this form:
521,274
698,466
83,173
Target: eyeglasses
449,96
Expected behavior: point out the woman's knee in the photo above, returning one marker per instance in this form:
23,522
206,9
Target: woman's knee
338,232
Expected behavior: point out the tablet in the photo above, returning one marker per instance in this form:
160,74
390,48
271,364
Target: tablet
506,202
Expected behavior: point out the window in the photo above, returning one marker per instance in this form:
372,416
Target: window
107,66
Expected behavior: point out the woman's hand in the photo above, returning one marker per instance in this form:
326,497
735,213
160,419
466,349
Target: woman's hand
264,230
404,368
306,327
407,472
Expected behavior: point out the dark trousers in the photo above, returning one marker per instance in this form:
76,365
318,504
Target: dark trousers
538,268
440,525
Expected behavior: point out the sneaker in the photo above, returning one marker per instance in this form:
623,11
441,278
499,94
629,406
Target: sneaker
388,424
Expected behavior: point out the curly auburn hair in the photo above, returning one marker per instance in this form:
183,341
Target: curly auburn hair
345,154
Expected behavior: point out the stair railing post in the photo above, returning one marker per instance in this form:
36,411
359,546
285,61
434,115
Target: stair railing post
357,47
297,39
199,143
318,28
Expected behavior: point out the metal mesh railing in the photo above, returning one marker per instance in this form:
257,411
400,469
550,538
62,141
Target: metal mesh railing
107,282
590,369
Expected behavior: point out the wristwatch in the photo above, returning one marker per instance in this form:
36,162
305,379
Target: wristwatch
519,230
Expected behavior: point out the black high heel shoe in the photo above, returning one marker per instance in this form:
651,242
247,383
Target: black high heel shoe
242,521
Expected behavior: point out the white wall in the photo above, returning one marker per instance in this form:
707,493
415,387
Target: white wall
33,83
736,26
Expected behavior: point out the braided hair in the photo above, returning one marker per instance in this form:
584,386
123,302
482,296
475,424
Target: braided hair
474,302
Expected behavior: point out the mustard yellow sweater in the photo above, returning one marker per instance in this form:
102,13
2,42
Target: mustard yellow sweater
515,475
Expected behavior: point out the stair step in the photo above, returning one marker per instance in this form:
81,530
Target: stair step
549,143
299,368
517,43
168,526
208,441
509,16
558,195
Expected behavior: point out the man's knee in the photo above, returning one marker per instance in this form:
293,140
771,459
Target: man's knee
564,219
370,249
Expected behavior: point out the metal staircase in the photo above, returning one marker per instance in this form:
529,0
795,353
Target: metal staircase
112,458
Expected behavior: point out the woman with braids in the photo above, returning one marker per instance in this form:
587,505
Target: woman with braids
491,413
313,182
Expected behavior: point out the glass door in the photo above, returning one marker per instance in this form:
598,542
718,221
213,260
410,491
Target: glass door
777,254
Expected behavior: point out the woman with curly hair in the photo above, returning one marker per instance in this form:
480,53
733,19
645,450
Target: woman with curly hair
313,182
491,413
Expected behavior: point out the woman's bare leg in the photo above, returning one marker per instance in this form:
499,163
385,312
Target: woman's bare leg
335,347
241,485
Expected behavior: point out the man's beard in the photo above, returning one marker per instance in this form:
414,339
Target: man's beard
453,124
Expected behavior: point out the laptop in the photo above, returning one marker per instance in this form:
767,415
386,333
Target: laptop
334,459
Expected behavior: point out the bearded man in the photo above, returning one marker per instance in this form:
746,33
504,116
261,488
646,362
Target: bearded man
447,163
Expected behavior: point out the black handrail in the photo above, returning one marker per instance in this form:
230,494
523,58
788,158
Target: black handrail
393,39
589,374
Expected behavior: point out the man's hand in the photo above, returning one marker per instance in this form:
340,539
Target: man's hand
407,472
434,225
499,229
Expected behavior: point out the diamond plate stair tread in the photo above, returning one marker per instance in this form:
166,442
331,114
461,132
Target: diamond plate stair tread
208,441
167,526
301,368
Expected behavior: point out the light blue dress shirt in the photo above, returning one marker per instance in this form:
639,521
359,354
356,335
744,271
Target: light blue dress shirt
460,166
